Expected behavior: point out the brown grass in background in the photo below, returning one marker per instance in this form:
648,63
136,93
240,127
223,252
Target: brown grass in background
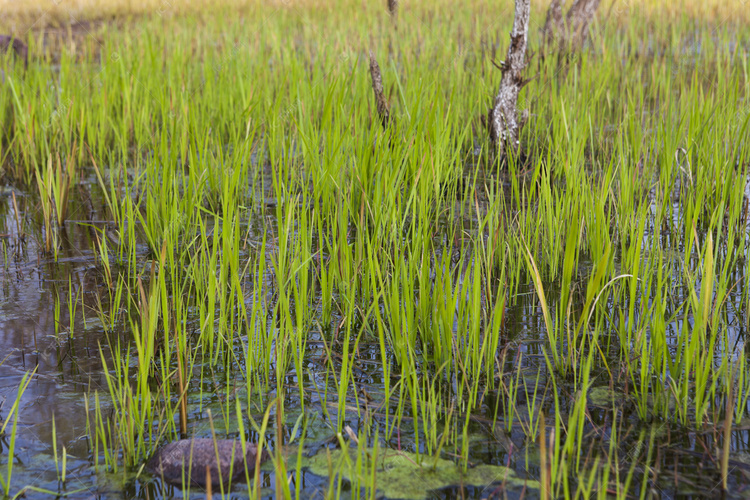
19,17
80,28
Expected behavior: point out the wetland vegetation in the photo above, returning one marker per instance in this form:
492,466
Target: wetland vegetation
208,231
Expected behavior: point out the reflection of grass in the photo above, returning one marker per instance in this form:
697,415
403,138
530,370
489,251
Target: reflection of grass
5,477
270,236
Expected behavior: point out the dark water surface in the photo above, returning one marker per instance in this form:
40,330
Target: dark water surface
37,335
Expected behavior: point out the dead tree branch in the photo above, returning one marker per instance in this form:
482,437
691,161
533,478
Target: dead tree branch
569,32
393,9
554,23
579,17
503,119
377,87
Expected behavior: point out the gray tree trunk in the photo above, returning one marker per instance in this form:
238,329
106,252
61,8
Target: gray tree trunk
503,120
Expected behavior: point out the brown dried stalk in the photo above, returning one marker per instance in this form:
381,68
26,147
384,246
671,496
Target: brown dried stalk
393,9
377,88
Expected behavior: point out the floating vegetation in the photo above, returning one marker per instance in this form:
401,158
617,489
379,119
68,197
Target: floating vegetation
406,475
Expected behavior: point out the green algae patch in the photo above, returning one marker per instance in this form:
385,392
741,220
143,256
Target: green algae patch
403,475
604,396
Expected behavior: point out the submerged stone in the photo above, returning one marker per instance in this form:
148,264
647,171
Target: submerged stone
188,459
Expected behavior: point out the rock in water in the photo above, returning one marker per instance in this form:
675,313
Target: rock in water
193,455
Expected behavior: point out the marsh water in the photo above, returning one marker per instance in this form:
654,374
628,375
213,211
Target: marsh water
258,123
38,335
